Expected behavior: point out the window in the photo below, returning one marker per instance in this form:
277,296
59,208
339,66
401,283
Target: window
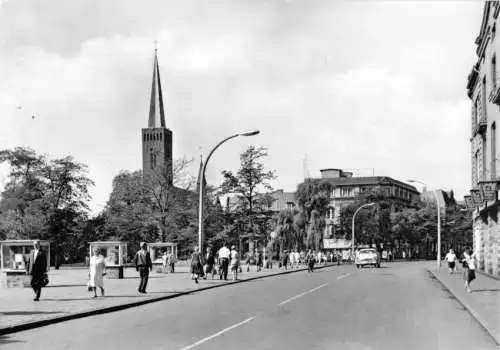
483,112
477,170
346,192
152,158
494,71
493,151
475,111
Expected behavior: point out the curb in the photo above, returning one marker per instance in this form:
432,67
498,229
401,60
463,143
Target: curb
466,306
109,309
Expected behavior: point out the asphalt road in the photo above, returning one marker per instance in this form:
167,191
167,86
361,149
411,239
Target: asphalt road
396,307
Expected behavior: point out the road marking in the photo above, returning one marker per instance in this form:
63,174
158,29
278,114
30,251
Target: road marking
343,276
302,294
218,333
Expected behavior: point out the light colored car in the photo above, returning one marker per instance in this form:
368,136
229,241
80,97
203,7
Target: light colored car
367,256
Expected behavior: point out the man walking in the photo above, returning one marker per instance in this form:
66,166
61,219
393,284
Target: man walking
143,265
224,254
37,269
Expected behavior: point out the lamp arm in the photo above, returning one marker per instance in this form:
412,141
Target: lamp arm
213,150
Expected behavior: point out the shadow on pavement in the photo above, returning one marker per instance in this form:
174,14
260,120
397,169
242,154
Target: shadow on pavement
19,313
485,290
65,285
4,339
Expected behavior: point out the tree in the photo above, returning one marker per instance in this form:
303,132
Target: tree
153,208
313,197
44,198
252,185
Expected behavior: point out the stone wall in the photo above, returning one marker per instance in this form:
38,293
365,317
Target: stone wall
486,233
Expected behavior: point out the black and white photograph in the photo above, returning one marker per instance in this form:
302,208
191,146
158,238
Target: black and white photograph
249,174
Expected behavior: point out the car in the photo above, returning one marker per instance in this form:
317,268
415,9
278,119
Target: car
367,256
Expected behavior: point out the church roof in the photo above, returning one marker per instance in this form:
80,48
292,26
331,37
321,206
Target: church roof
156,110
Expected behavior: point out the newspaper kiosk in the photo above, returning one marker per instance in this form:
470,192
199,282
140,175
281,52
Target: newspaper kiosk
115,256
14,256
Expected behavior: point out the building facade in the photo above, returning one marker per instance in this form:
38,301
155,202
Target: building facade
347,188
156,138
483,88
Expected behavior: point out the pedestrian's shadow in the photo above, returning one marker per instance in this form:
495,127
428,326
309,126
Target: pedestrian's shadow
65,285
24,313
4,339
485,290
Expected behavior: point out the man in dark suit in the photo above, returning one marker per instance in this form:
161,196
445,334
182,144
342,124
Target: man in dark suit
143,265
37,268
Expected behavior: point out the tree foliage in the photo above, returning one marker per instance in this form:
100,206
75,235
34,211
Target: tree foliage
44,198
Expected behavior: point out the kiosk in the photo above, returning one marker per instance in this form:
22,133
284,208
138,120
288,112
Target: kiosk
14,256
115,256
156,251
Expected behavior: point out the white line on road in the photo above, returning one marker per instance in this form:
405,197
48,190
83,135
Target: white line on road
302,294
217,334
343,276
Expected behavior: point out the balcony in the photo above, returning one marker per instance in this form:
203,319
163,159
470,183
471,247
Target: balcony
480,127
494,96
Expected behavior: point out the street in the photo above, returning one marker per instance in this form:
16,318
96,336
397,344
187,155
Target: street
395,307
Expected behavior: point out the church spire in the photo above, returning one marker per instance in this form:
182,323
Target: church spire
156,103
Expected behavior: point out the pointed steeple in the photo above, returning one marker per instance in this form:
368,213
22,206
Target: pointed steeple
156,110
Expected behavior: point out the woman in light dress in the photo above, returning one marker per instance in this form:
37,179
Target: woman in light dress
96,272
235,262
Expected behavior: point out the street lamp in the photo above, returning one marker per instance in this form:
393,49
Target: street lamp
438,222
202,176
353,217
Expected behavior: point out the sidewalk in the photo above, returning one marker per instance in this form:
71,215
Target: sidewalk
67,298
484,301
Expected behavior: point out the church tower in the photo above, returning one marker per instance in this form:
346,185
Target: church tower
156,138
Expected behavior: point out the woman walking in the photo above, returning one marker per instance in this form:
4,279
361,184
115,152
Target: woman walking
470,268
209,263
235,262
196,266
96,272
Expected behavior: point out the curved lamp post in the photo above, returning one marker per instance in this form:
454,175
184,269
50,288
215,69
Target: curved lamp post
438,222
202,176
353,217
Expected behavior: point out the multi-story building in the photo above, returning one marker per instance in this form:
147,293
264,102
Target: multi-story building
346,189
483,88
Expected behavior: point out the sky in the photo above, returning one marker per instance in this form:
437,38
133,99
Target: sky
374,87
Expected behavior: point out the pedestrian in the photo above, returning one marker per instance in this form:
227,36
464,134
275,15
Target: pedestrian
260,261
470,268
310,259
37,269
235,262
196,266
298,257
284,260
451,258
97,270
171,262
224,254
209,263
143,265
164,261
389,255
292,259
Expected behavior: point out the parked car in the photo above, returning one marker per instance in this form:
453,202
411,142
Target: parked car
367,256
